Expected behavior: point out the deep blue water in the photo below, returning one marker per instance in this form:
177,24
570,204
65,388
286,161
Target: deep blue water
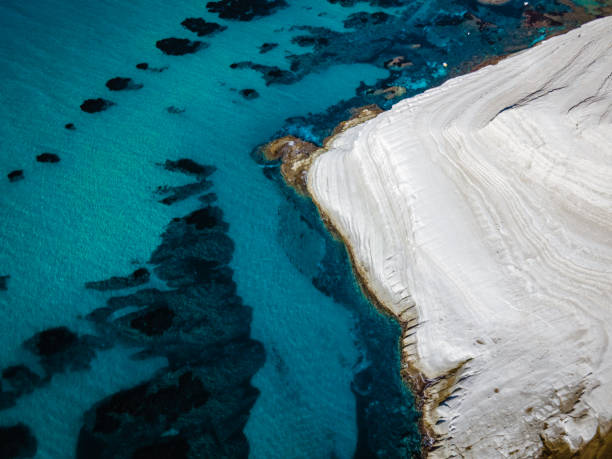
245,333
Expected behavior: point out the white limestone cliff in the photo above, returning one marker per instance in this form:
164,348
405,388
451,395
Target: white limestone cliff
480,214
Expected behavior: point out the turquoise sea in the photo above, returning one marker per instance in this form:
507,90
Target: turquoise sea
247,335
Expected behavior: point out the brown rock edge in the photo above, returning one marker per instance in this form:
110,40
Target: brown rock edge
296,157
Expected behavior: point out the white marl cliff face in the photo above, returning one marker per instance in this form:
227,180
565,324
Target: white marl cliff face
480,214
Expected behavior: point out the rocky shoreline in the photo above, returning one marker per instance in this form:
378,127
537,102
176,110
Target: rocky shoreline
432,392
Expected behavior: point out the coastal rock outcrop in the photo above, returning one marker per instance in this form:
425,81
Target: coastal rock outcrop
479,213
179,46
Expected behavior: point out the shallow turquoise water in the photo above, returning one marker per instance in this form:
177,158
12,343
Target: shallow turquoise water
92,216
95,214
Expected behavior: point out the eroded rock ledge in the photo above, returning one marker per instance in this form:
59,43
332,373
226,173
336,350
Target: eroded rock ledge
480,214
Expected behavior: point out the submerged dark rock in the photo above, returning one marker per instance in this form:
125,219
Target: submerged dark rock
244,10
249,94
70,126
146,66
199,404
4,282
266,47
21,378
175,110
138,277
52,341
271,74
17,441
179,46
363,19
201,27
15,175
96,105
188,166
48,158
182,192
121,83
60,349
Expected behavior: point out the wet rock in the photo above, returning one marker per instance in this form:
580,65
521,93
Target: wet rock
138,277
296,156
17,441
96,105
398,62
21,378
201,27
249,94
48,158
15,175
267,47
244,10
4,282
121,83
179,46
391,92
70,126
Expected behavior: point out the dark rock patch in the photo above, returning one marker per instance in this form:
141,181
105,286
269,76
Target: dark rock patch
15,175
181,192
121,83
138,277
381,3
201,27
175,110
199,404
21,378
271,74
153,322
179,46
244,10
4,282
267,47
96,105
170,447
249,94
70,126
188,166
48,158
52,341
17,442
146,66
60,349
363,19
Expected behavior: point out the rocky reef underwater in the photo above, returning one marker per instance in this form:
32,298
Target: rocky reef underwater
164,293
